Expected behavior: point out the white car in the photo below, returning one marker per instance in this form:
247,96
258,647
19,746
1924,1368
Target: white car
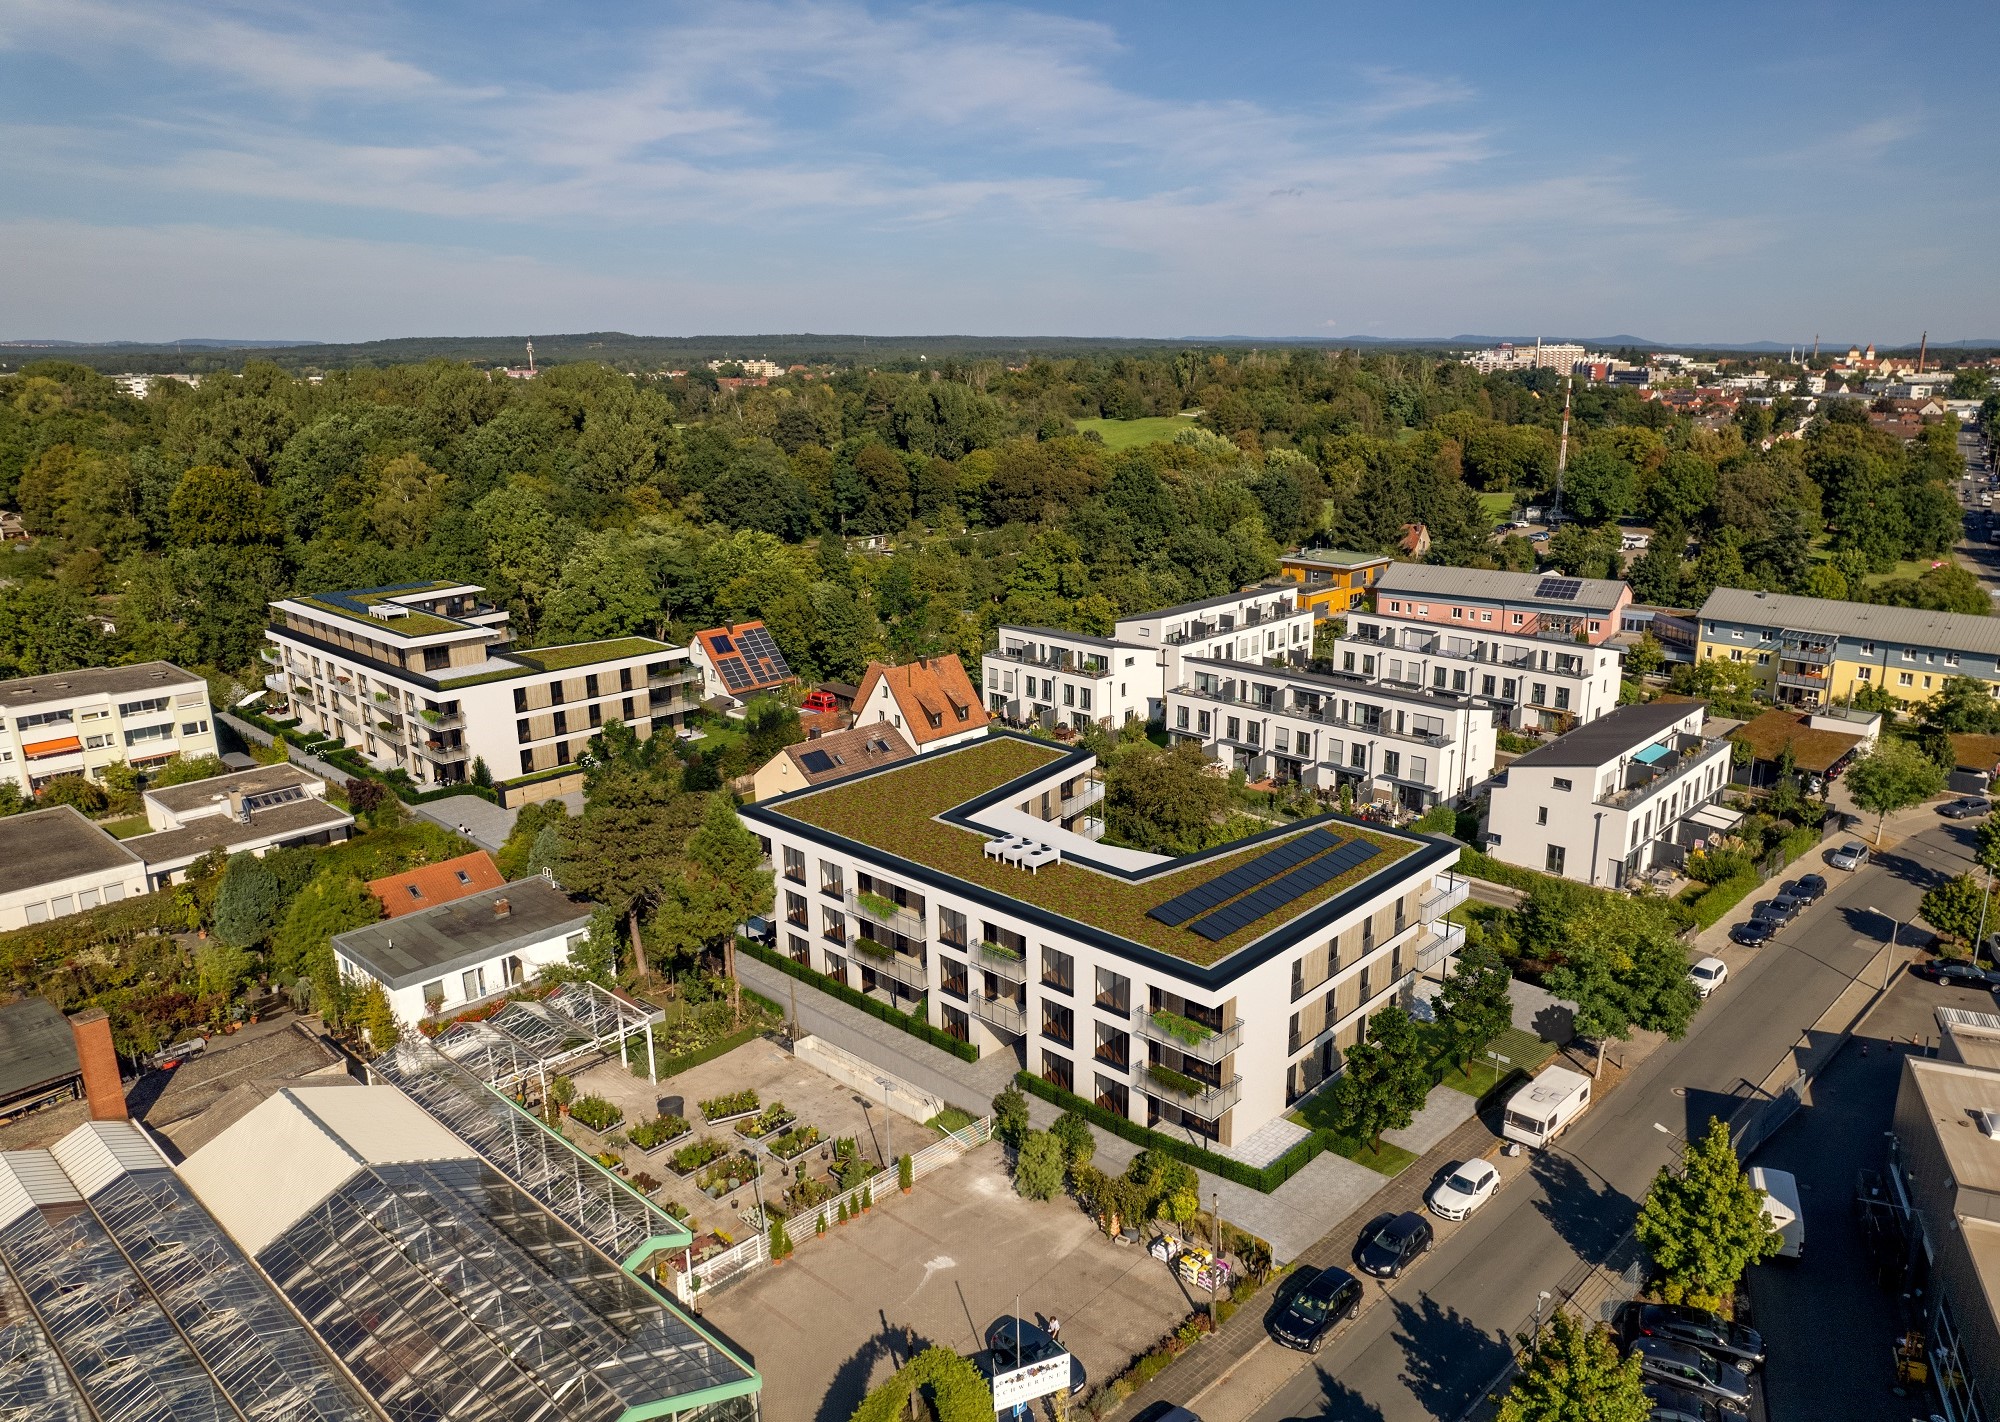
1708,975
1465,1190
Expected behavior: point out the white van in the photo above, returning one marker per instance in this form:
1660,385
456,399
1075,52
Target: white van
1781,1202
1538,1111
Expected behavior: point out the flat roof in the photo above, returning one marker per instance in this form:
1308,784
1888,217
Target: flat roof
420,946
295,819
94,681
1348,681
198,794
1219,600
916,813
1436,580
1028,629
1916,626
1951,1092
46,846
1602,741
1813,749
1334,558
36,1046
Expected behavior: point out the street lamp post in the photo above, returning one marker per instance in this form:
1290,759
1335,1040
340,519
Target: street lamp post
1895,933
885,1083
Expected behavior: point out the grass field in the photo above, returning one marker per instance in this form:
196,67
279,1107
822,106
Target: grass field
1124,434
126,828
1909,568
1496,506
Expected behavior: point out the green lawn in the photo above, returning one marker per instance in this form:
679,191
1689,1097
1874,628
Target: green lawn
1523,1050
126,828
1124,434
1496,506
1316,1114
1908,568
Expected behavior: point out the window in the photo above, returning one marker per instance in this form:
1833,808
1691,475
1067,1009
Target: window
143,708
1486,686
1347,661
951,927
473,981
1056,1070
1562,784
194,728
1392,763
795,909
831,880
42,718
1114,1047
527,761
1902,679
1058,970
436,658
1058,1023
1180,718
1235,731
833,925
149,733
434,995
1458,613
1114,992
795,864
951,977
1554,862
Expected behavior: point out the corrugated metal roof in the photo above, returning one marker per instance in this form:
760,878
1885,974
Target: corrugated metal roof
30,1179
1916,626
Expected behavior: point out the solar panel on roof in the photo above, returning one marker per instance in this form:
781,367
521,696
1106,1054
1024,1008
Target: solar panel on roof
758,646
1247,876
1559,589
816,761
1284,890
720,643
734,676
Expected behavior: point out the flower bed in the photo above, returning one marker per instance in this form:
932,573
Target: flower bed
658,1133
771,1120
595,1113
732,1172
793,1143
690,1158
727,1108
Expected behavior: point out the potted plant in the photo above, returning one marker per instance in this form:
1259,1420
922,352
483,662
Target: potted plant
843,1212
906,1173
867,1197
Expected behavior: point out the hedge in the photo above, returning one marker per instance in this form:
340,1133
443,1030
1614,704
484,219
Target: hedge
674,1066
915,1026
355,765
1481,865
1719,898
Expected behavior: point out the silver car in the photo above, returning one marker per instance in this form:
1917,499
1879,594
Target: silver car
1851,855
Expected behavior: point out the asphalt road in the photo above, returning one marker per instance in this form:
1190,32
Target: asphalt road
1443,1337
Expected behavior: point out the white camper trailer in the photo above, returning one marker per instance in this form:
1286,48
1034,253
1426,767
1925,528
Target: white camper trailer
1538,1111
1781,1203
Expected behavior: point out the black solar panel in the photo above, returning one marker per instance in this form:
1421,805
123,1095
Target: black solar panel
1247,876
733,674
720,643
1559,589
766,661
1285,890
817,761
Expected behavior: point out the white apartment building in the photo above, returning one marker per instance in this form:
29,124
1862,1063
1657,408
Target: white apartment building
1200,995
1261,625
1538,644
1612,799
1397,745
421,677
1050,678
1563,356
79,722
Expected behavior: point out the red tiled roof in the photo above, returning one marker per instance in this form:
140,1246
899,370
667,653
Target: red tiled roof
926,688
436,884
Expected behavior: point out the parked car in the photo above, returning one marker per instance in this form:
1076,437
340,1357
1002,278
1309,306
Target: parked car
1753,933
1689,1367
1306,1318
1810,887
1851,855
1391,1242
1013,1338
1777,911
1708,975
1969,807
1791,904
1465,1189
1948,972
1677,1404
1711,1332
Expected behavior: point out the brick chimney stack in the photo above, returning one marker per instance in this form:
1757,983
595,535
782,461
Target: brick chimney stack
94,1053
502,909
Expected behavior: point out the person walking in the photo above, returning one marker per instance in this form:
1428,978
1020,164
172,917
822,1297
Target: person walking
1055,1331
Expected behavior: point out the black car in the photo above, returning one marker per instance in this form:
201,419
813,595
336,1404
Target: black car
1968,808
1391,1242
1015,1342
1753,932
1950,973
1710,1332
1306,1318
1677,1404
1810,887
1790,905
1694,1370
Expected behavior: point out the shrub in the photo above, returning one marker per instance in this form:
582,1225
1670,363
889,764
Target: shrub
1719,898
1072,1133
596,1113
693,1156
562,1091
1010,1116
656,1132
1038,1172
950,1120
87,795
906,1172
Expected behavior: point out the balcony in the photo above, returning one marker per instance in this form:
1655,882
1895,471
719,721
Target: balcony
1205,1101
886,962
275,682
271,655
1559,634
1444,942
887,912
1445,897
1087,794
1002,961
443,720
1094,667
1804,680
1646,781
1208,1045
1794,648
1001,1012
438,751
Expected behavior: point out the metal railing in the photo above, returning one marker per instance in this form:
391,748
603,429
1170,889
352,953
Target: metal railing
1208,1102
905,921
1090,793
1000,1012
996,959
1446,941
901,967
443,754
1076,666
1665,775
1442,899
1219,1043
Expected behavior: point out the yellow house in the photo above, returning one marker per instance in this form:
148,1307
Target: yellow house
1811,652
1332,580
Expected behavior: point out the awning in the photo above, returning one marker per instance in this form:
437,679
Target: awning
35,750
1717,817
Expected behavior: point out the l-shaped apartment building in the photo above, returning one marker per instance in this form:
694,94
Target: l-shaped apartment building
422,677
1202,994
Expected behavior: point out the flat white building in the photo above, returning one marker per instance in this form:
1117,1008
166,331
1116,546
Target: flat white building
1264,625
1400,745
248,812
79,722
1537,644
54,863
1047,677
422,678
1201,996
1612,799
442,960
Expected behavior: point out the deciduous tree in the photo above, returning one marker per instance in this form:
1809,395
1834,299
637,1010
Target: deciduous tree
1894,776
1704,1224
1572,1373
1385,1080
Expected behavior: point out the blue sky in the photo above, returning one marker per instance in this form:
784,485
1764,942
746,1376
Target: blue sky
269,170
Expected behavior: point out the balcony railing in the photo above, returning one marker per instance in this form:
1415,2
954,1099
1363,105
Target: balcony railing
1807,681
439,751
887,912
1087,794
1094,667
1665,774
1003,961
275,682
1444,942
887,962
442,720
1000,1012
1445,897
1162,1028
1205,1101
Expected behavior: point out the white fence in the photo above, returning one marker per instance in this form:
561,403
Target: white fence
753,1253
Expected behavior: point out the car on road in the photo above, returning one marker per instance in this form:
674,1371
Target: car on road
1391,1243
1715,1335
1689,1367
1465,1189
1015,1342
1792,904
1851,855
1752,933
1776,911
1307,1316
1967,807
1677,1404
1947,972
1810,887
1708,975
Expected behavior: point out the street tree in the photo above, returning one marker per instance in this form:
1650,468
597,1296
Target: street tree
1618,959
1989,842
1472,1004
1952,908
1894,776
1385,1081
1705,1224
1571,1372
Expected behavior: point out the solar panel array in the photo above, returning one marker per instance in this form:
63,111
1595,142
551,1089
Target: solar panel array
751,660
1242,878
817,761
1559,589
1283,890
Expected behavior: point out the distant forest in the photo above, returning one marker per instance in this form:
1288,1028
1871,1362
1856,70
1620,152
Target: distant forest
597,502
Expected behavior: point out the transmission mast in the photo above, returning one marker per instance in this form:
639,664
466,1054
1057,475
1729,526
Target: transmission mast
1562,449
531,356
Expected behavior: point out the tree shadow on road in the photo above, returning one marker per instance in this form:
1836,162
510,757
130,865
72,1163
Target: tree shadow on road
1447,1358
1586,1214
1341,1403
849,1384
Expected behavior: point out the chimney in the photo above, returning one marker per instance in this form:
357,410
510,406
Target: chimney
101,1084
502,909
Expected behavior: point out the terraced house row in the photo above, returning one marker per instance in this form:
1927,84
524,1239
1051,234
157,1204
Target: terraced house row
1202,994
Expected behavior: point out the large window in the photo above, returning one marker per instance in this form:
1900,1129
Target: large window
1058,1023
1058,971
1554,862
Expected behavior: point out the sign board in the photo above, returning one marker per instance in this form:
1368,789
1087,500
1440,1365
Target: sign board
1035,1380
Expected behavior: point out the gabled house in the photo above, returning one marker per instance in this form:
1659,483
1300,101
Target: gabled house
931,701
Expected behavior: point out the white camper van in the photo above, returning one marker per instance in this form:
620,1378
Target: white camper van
1538,1111
1781,1203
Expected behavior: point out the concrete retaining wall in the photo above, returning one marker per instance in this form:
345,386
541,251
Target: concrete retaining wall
904,1099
